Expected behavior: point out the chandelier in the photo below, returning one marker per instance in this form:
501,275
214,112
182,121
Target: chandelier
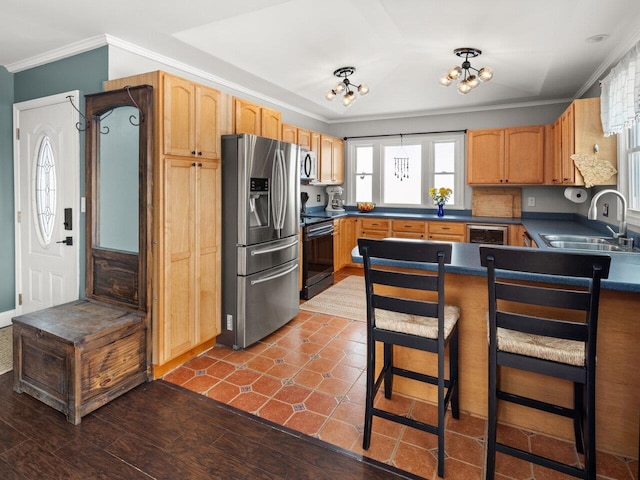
468,79
345,86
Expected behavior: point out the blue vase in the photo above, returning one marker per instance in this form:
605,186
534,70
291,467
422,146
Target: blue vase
441,210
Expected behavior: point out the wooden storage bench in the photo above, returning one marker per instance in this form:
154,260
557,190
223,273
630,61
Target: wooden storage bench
78,356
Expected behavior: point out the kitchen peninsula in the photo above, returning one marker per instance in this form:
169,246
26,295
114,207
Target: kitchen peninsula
618,385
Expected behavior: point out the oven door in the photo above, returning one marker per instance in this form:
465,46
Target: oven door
317,264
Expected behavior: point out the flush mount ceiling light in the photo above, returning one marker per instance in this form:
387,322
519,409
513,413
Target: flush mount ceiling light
345,86
468,79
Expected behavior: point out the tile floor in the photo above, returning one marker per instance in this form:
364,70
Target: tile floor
309,376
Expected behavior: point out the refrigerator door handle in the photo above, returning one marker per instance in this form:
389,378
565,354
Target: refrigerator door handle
273,277
283,189
274,249
276,204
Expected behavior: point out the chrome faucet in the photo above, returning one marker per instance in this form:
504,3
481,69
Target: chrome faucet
593,212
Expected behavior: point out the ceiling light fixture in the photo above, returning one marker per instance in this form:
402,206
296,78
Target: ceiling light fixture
469,79
345,85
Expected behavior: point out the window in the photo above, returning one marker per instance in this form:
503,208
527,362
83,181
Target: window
630,171
396,172
45,190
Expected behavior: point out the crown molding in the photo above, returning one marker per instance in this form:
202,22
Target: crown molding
203,75
58,54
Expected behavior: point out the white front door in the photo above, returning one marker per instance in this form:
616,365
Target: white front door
46,171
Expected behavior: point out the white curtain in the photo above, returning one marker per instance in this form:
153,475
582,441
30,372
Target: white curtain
620,95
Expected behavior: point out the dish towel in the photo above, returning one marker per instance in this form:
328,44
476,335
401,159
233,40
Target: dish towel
594,170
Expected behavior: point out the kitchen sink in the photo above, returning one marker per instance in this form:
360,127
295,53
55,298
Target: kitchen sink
606,247
575,239
585,242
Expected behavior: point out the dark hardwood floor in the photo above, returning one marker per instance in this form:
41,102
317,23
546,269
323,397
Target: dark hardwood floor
162,431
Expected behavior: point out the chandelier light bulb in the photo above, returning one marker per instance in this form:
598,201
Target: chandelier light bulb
454,72
473,81
363,89
348,98
340,87
464,88
445,80
331,94
485,74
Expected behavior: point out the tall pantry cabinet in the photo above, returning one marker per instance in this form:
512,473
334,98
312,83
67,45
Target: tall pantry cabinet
187,212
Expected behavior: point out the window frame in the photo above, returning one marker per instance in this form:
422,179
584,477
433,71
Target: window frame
624,171
427,142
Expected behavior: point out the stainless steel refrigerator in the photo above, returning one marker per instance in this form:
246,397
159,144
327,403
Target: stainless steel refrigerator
260,244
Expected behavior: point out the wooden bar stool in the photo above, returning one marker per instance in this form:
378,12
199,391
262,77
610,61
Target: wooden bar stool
549,329
395,319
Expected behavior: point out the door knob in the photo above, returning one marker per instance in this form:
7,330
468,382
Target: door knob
67,241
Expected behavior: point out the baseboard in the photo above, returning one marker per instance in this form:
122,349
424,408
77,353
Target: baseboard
5,318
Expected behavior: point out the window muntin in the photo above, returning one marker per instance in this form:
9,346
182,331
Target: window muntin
45,191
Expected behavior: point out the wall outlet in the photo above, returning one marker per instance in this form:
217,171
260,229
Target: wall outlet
531,201
317,197
605,210
229,322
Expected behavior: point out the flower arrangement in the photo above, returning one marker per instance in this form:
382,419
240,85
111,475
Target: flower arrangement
440,195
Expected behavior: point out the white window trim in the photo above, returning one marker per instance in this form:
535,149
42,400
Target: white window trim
427,141
633,216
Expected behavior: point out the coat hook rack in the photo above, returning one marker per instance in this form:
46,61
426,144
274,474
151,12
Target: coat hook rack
132,118
70,98
105,129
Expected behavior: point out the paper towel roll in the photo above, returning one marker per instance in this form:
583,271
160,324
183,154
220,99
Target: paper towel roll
576,195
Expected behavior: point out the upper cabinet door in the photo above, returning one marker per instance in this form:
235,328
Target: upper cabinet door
207,121
248,117
524,155
304,138
289,133
485,158
271,123
179,116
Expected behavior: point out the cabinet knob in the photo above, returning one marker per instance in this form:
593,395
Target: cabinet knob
193,152
193,164
199,154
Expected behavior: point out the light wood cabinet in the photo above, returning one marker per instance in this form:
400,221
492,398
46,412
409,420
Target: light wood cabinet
191,112
447,231
304,138
343,242
256,119
408,229
513,156
315,142
189,295
331,160
186,217
289,133
578,130
374,228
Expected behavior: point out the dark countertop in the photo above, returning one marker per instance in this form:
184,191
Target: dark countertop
624,274
625,267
